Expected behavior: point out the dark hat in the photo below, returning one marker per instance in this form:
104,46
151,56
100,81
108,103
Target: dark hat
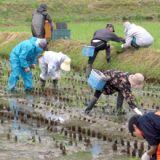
133,120
110,25
44,6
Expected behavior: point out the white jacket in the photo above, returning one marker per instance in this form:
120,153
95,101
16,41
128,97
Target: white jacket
50,64
143,38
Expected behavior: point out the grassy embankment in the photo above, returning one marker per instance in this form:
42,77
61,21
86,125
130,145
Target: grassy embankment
143,60
16,16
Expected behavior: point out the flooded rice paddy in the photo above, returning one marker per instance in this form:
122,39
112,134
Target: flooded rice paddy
50,123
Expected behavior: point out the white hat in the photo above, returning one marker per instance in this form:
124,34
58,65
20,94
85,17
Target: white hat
136,80
66,65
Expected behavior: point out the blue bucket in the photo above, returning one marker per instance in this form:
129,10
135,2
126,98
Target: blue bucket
97,80
88,51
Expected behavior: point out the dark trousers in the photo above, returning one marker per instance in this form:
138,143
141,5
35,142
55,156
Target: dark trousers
99,46
153,158
120,99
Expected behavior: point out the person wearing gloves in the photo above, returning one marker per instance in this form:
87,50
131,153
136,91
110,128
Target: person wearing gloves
23,59
147,127
38,21
50,64
136,36
100,41
121,82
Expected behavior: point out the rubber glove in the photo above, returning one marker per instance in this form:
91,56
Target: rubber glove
145,156
136,110
122,46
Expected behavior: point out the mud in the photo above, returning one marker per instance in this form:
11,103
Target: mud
51,124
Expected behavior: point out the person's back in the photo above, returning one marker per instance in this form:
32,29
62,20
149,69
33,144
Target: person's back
54,58
117,82
142,37
38,25
28,44
121,82
38,21
106,35
150,125
51,64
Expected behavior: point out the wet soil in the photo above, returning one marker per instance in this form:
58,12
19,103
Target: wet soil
51,124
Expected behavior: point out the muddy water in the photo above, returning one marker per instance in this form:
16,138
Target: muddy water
37,143
20,141
101,135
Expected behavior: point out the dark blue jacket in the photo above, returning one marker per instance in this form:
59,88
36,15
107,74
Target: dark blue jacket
150,126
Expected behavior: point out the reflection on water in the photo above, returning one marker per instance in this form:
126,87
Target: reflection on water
96,149
22,131
66,103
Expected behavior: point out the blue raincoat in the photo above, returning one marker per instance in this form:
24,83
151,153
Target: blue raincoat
21,57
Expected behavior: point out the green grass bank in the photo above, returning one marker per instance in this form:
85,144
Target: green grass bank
142,60
20,11
83,18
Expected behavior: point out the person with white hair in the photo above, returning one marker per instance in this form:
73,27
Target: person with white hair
23,59
136,36
51,64
121,82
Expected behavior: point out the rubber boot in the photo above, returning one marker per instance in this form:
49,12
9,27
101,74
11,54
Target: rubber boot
88,70
55,83
42,83
91,105
108,60
108,55
28,91
119,103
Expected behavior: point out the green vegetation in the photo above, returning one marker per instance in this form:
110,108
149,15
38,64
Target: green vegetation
84,17
141,60
84,31
81,10
8,40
